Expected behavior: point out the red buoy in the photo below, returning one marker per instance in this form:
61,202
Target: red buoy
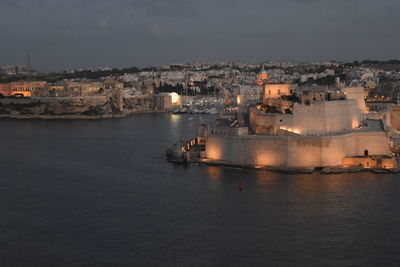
241,186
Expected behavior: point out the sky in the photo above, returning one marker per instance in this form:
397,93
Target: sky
73,34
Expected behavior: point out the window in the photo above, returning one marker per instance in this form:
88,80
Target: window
279,92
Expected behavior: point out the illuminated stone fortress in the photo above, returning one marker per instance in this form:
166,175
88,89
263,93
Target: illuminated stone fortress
301,127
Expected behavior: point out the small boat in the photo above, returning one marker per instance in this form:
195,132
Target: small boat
179,111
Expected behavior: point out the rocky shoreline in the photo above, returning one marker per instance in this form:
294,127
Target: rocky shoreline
96,107
71,116
61,117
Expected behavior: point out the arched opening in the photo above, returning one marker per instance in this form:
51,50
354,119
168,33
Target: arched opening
366,153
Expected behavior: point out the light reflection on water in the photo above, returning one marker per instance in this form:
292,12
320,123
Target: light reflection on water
214,173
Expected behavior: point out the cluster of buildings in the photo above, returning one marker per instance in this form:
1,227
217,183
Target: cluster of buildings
300,127
63,88
83,88
227,85
15,70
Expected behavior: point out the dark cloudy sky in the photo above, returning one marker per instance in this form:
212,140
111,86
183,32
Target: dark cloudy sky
67,34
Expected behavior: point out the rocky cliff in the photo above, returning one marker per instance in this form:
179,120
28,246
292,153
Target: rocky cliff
75,107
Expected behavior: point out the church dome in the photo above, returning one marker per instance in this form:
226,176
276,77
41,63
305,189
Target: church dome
263,75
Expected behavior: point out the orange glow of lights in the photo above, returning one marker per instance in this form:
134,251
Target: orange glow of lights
214,173
213,152
355,124
264,159
290,130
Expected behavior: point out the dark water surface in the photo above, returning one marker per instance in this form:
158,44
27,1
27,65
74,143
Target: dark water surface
78,193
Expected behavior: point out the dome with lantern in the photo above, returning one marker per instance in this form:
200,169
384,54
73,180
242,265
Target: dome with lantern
262,76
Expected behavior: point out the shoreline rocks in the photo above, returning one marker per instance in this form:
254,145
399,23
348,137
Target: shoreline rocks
94,107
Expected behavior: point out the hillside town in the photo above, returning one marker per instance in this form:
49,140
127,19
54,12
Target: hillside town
339,126
186,88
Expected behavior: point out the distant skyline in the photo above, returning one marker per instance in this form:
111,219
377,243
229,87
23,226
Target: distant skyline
77,34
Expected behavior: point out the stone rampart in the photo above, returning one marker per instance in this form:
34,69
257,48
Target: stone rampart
295,151
326,117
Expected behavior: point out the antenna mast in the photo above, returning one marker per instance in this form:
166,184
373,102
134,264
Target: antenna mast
29,64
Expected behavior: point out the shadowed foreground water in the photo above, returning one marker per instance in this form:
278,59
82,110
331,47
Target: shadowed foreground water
77,193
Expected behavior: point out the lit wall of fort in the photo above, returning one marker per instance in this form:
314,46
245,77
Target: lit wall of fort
356,93
268,123
295,151
326,117
315,119
392,116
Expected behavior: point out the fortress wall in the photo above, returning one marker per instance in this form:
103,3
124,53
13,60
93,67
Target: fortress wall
342,115
335,148
271,123
375,142
295,151
267,151
315,119
309,119
356,93
320,151
305,152
248,151
393,117
262,124
268,123
326,117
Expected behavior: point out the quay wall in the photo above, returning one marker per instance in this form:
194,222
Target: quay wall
295,151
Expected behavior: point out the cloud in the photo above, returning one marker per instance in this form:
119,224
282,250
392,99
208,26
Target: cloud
168,8
76,33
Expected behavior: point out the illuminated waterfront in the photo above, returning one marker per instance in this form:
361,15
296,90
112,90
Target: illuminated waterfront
101,193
